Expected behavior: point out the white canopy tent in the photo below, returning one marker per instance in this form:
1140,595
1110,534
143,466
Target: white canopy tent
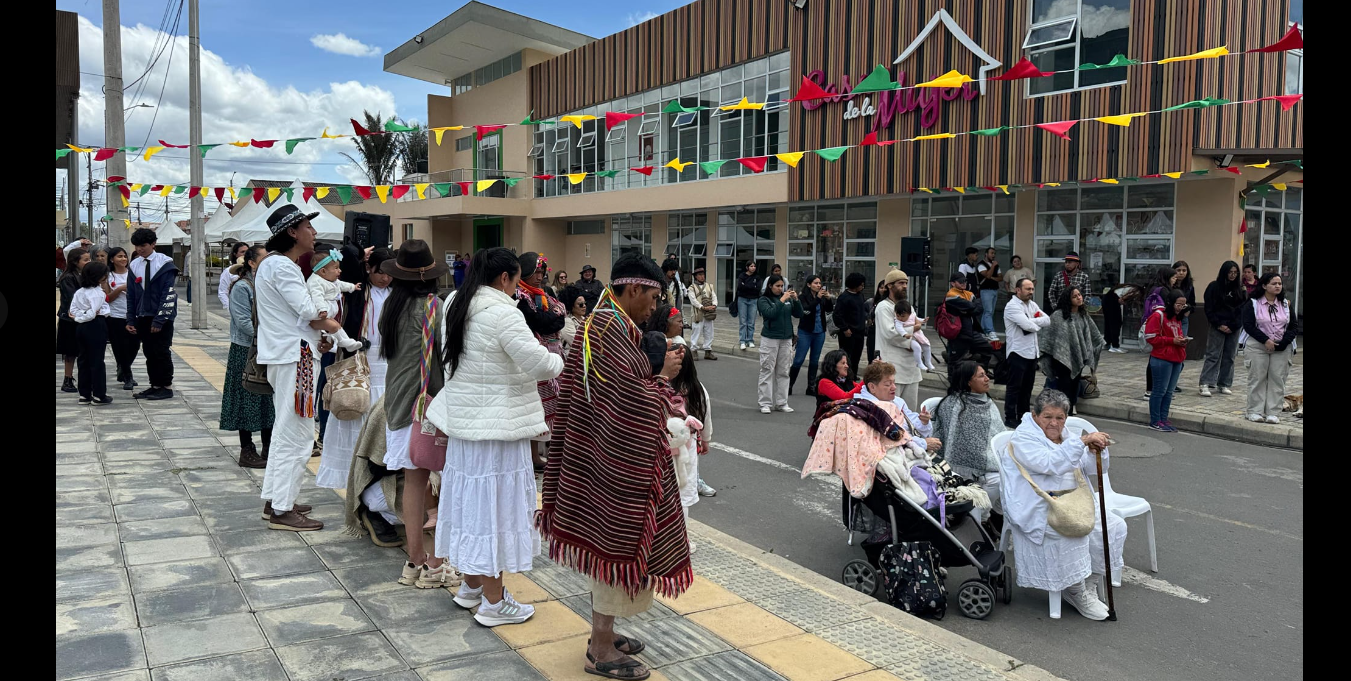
250,223
215,225
168,233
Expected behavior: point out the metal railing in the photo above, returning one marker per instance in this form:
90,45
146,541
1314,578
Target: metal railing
498,190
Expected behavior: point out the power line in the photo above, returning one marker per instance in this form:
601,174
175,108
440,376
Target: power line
168,68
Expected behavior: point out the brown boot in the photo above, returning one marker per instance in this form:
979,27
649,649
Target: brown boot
708,354
249,458
293,521
302,509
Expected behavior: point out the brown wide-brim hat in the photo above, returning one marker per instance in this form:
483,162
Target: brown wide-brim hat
414,262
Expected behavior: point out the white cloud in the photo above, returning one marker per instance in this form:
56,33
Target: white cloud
340,44
635,18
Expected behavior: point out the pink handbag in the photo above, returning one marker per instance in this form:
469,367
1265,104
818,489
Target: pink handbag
427,446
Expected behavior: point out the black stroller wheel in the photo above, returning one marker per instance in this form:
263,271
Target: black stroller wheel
976,599
1003,587
861,576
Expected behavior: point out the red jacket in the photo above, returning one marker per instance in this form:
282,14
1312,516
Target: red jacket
1160,332
827,389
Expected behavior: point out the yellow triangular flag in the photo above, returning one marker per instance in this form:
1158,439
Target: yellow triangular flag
576,178
441,131
421,190
382,191
1109,181
1174,175
1003,187
205,192
484,184
679,167
926,190
136,187
743,104
151,151
239,144
791,158
82,150
1280,186
1204,54
949,79
321,192
164,191
325,135
937,136
1263,164
1052,184
576,120
273,193
125,203
1240,249
960,190
232,193
128,222
1124,120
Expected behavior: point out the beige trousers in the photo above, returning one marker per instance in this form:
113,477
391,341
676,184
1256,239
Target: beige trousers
608,600
1266,379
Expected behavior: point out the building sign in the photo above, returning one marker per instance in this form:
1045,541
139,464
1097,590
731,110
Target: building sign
883,107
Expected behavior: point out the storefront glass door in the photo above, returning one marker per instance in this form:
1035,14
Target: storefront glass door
954,224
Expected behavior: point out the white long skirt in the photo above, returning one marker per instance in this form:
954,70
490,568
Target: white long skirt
1061,562
485,522
396,448
340,437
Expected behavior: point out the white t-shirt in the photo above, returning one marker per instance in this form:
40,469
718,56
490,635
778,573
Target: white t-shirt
118,307
284,311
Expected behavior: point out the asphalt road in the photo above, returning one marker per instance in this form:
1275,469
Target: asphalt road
1227,602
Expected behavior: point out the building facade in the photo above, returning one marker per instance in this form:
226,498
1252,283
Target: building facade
1024,191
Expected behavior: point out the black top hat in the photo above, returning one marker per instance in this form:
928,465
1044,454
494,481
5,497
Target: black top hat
287,216
414,261
587,268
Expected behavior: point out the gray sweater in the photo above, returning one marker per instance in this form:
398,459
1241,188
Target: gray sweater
241,311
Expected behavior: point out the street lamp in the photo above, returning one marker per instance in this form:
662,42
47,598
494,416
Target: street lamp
142,105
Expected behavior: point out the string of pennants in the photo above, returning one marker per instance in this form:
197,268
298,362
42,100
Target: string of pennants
877,81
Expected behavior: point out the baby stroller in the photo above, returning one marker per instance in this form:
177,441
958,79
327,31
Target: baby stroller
911,522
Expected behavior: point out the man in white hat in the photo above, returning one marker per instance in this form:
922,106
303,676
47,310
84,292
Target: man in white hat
893,346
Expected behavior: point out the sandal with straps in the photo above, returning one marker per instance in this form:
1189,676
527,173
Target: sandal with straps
634,645
624,669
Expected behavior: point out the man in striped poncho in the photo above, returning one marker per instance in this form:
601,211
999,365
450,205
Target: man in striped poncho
611,505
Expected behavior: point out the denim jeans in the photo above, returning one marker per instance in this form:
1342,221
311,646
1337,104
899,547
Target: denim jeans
988,298
1165,375
808,342
746,310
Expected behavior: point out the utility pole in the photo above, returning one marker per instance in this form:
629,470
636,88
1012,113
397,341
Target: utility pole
197,253
89,162
114,135
73,174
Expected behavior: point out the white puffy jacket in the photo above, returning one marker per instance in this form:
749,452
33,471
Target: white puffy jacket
493,395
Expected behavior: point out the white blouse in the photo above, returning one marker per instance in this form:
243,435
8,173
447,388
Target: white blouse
88,303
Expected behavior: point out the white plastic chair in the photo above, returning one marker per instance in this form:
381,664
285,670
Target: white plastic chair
1121,505
1000,445
931,404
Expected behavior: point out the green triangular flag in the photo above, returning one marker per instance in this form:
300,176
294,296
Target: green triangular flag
1199,104
711,167
442,188
245,193
203,148
877,81
106,218
990,132
61,153
291,143
1200,172
290,193
1297,164
606,173
145,189
1119,60
179,189
391,126
128,150
527,120
676,107
511,181
1262,189
831,154
344,193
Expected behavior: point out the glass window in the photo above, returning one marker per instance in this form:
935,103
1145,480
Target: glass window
687,240
631,234
1066,33
978,221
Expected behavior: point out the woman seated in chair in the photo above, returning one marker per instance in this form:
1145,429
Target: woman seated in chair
965,421
1043,452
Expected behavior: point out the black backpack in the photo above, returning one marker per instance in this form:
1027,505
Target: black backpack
910,579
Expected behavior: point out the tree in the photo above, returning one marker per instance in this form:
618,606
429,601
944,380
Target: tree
377,155
413,149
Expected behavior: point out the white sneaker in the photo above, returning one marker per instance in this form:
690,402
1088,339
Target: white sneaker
1255,418
1205,391
411,573
505,611
751,344
691,547
468,598
1085,601
743,346
705,490
786,409
1118,351
764,410
1273,419
993,336
1226,391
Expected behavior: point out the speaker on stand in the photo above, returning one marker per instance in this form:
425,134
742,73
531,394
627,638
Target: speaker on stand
367,229
917,263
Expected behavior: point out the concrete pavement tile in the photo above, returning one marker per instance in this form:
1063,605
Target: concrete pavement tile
944,664
230,474
331,534
300,623
179,573
582,606
876,675
85,557
91,584
80,457
247,541
1237,428
674,639
75,483
158,465
233,502
729,665
111,428
162,528
359,656
197,451
504,666
191,603
75,435
255,665
103,653
278,592
753,584
231,521
702,595
191,443
745,625
219,488
811,610
84,515
136,495
93,616
275,563
423,643
524,589
86,535
878,643
90,468
168,550
153,510
566,660
138,675
560,581
807,658
350,554
169,436
408,605
405,675
197,639
552,621
125,443
118,455
137,432
75,447
83,498
372,579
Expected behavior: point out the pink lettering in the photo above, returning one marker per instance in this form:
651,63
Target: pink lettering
928,101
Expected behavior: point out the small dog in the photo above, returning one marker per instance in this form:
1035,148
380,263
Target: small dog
1294,403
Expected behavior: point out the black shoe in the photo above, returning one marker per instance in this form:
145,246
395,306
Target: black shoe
129,385
382,533
145,393
85,400
68,385
365,344
249,458
160,394
103,400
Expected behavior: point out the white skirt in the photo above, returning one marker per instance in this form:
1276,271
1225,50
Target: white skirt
396,448
340,437
485,522
1061,562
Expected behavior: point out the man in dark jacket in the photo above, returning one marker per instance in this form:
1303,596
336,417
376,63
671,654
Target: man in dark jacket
590,287
851,317
152,305
966,307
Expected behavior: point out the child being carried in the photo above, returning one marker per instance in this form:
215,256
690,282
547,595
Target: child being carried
324,289
911,326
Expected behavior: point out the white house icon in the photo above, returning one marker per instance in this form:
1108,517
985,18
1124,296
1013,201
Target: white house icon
961,36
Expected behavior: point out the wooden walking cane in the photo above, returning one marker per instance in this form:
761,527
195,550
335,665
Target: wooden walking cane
1106,547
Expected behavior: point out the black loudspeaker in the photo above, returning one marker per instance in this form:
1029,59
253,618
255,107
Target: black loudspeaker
367,229
916,256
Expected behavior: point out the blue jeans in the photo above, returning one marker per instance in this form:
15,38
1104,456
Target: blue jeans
745,308
1186,324
988,297
1165,380
808,341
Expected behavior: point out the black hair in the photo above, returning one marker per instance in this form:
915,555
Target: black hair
93,274
1064,304
831,360
1261,291
1250,266
769,284
775,266
956,277
569,296
854,280
112,253
634,265
880,293
378,256
234,251
1019,284
254,254
281,242
653,344
686,384
1016,257
659,319
971,250
747,265
486,267
903,308
807,281
1163,279
1185,283
669,264
1231,288
1170,302
143,236
401,293
959,386
73,262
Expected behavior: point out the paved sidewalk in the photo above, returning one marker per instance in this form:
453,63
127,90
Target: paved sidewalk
165,571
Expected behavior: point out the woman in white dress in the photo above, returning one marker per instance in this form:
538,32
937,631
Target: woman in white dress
227,278
1050,454
489,410
340,437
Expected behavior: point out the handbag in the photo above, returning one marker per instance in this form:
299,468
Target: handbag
707,299
347,392
254,378
911,581
427,446
1069,513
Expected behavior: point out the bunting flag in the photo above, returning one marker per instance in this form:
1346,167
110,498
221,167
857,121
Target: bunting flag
465,188
291,143
238,144
877,81
676,107
1174,175
645,170
528,120
990,132
1263,164
306,194
172,146
606,173
742,105
926,190
959,190
949,79
710,167
398,191
481,130
1204,54
203,148
124,193
220,194
1199,104
577,119
1058,129
1023,69
679,167
1004,188
421,189
244,193
392,126
831,154
382,192
262,144
1292,40
61,153
1286,101
82,150
543,177
344,194
321,192
791,158
360,131
104,154
809,91
290,193
442,130
364,192
510,181
327,136
1117,61
870,140
1280,186
273,193
613,118
483,184
576,178
755,163
151,151
257,197
938,136
1123,120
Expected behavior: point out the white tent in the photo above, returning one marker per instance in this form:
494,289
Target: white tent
168,233
215,225
250,223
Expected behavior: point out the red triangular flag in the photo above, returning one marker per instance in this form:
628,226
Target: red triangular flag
809,91
870,140
305,194
1058,128
365,192
612,119
104,153
1286,101
1242,225
1292,40
1233,170
115,178
258,194
481,130
125,190
398,191
1023,69
192,191
990,189
755,163
220,194
543,177
360,131
162,143
466,188
646,170
1150,177
262,144
157,187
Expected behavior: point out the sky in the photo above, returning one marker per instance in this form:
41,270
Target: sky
267,76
